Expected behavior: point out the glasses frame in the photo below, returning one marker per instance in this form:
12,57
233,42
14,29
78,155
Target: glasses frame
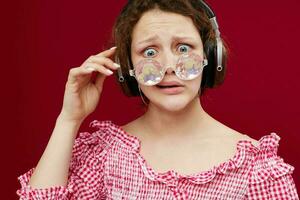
164,69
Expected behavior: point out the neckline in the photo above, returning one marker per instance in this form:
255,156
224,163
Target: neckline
244,147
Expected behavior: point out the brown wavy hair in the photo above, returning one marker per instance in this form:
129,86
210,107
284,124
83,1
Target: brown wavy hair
130,15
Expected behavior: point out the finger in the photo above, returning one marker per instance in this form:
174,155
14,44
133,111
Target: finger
77,72
102,61
99,82
107,53
80,72
98,68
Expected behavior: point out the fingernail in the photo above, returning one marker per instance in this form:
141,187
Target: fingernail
109,72
117,65
113,48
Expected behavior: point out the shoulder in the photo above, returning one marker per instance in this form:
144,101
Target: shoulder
102,133
245,137
230,136
105,135
97,143
93,150
270,176
266,163
226,133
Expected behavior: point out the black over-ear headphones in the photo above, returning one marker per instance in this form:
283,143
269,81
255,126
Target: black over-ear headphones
213,49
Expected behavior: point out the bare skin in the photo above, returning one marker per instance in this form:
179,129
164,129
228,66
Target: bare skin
80,99
175,132
202,145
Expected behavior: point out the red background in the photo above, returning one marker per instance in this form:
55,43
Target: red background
42,40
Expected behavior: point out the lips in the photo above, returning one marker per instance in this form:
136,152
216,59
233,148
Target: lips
169,84
170,87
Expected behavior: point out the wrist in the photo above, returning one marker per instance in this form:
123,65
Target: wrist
67,120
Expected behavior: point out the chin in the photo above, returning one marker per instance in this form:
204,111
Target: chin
173,104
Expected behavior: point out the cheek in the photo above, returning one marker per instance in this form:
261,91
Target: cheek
194,85
147,90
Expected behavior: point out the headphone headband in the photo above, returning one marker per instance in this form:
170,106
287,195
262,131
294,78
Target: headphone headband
207,9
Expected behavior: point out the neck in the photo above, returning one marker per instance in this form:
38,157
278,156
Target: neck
166,123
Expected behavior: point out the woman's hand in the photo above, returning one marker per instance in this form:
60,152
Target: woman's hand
81,95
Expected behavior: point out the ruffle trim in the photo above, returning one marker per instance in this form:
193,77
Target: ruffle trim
97,143
55,192
109,132
170,177
272,169
266,163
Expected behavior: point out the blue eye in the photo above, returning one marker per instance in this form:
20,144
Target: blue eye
184,48
149,52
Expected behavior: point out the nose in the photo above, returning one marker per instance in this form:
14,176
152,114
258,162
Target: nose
170,70
170,62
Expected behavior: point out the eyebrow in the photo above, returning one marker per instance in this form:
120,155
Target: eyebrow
149,39
155,37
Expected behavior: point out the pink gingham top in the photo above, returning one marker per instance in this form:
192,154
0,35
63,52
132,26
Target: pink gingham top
106,164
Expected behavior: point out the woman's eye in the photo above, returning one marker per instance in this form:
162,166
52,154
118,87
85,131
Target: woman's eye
149,52
184,48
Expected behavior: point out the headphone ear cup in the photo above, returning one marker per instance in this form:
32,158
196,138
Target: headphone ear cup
131,82
132,85
209,70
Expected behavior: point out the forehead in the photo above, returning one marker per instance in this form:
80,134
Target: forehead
163,23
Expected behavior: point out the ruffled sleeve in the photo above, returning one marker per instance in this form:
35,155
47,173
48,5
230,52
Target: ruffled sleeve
85,179
271,177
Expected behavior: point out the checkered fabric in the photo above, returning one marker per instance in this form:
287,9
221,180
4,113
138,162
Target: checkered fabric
106,164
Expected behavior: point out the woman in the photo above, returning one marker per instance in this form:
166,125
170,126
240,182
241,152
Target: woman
175,150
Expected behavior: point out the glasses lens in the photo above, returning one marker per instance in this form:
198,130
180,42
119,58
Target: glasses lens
189,66
148,72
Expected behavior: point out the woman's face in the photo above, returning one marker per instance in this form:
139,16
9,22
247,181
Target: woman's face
164,36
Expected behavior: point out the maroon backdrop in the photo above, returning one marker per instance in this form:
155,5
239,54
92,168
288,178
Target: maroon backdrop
42,40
